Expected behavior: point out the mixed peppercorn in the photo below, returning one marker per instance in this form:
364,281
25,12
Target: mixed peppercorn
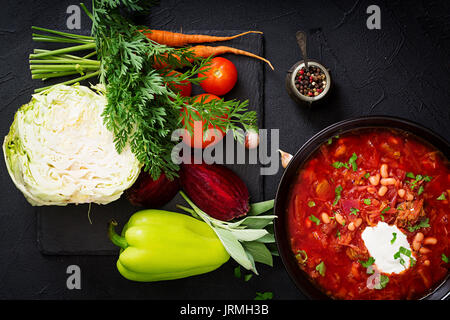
310,81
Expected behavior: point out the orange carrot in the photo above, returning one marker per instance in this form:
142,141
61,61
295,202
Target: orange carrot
173,39
207,51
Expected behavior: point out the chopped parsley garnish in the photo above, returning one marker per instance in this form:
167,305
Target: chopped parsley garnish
383,212
339,164
444,258
394,237
338,234
422,224
311,204
354,211
413,184
420,191
405,252
314,219
397,256
352,161
337,192
367,175
330,141
367,201
321,269
367,263
410,175
417,178
441,197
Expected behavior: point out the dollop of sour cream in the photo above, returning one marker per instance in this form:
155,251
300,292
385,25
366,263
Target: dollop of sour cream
384,243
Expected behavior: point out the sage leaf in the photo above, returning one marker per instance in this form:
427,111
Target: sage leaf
268,238
257,222
273,249
234,248
259,252
253,222
252,260
248,234
245,239
260,207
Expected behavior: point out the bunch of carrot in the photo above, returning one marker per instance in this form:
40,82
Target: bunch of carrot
174,39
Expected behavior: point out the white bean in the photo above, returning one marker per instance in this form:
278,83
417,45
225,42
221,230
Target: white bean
387,181
374,180
351,226
430,240
384,170
424,250
340,219
382,191
325,218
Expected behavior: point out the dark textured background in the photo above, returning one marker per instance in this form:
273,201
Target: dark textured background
402,70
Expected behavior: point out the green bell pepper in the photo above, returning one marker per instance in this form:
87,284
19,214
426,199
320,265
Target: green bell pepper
161,245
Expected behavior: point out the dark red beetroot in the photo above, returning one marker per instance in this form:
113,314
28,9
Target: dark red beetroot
150,193
216,190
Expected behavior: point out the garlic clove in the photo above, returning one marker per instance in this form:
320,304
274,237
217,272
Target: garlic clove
285,158
251,139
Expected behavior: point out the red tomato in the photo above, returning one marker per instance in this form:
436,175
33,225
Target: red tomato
184,88
220,78
195,141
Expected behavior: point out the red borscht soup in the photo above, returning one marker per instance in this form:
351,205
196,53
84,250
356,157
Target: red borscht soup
368,216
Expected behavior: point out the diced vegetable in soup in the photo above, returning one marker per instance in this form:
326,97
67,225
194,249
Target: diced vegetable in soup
379,227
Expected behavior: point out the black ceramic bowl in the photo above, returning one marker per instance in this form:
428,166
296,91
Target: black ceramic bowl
301,280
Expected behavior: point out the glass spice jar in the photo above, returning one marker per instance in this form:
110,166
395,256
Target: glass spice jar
308,85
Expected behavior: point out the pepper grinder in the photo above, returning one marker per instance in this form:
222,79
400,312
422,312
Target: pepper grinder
292,75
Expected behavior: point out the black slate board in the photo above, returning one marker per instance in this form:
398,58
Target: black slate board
78,230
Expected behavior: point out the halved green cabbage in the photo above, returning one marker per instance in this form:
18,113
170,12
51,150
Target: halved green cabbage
58,151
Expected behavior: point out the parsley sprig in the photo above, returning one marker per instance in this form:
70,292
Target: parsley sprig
406,252
416,180
367,263
337,192
351,162
422,224
321,268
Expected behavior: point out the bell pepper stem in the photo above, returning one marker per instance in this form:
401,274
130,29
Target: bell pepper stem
114,237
